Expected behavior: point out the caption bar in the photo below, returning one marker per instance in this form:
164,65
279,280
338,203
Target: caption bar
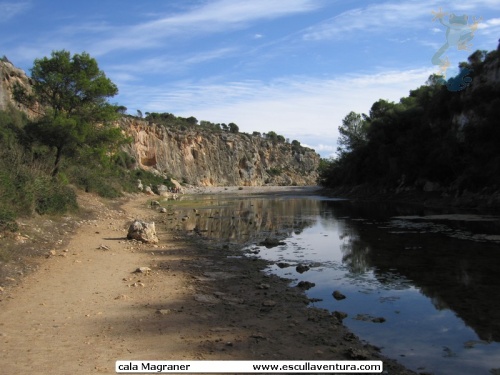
200,367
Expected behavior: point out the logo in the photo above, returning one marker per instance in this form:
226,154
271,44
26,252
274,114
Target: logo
459,33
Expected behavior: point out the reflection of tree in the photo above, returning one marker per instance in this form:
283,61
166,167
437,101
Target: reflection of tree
456,274
355,252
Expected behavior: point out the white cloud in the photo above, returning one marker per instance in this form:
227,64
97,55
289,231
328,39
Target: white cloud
303,108
9,10
489,26
373,18
391,16
164,65
213,17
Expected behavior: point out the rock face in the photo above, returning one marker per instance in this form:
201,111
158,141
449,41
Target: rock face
142,231
197,157
9,77
205,158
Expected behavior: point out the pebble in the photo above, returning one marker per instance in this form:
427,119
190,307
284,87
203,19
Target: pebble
122,297
164,311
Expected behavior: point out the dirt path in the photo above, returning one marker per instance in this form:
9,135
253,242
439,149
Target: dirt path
85,308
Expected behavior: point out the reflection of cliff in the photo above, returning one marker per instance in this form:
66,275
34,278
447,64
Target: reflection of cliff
456,274
246,220
206,158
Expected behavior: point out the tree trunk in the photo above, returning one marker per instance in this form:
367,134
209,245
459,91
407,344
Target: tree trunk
55,171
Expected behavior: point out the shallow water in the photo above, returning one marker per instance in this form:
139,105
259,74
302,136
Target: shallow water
422,285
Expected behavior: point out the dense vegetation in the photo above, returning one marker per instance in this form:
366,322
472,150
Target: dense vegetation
448,138
70,143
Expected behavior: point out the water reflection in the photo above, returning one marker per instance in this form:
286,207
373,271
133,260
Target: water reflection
241,220
432,278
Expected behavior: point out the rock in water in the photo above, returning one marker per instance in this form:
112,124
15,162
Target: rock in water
301,268
142,231
338,296
271,242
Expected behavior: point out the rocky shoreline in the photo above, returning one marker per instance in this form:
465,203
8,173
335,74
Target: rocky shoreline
192,301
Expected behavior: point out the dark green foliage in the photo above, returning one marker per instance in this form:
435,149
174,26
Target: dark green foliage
274,171
73,92
25,183
353,132
233,128
7,220
52,197
420,138
274,137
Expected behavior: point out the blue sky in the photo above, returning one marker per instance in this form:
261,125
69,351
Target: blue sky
296,67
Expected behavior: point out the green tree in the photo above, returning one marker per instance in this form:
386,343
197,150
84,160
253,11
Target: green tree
73,93
353,132
233,128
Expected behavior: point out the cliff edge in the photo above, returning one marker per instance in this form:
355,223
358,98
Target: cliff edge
205,158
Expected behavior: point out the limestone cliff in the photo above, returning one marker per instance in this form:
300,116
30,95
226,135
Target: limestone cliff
202,157
198,157
9,77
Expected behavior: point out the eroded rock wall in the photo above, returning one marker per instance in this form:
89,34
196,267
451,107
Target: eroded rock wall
205,158
9,77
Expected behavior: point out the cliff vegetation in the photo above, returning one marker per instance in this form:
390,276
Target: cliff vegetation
434,140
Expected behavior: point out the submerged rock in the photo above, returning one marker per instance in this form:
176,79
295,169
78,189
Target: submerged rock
340,315
305,285
338,296
271,242
301,268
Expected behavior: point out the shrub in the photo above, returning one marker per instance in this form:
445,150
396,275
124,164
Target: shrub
53,198
274,171
7,220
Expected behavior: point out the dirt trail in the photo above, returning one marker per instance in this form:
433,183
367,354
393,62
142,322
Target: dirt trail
85,308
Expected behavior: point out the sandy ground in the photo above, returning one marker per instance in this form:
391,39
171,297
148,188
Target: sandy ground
84,307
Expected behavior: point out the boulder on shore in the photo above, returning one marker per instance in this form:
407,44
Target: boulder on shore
141,231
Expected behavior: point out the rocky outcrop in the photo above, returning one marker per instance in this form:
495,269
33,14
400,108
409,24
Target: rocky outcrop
207,158
9,77
196,156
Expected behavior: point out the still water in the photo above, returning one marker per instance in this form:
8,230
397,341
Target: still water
422,285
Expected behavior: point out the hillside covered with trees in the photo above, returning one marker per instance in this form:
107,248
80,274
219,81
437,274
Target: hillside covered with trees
434,139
